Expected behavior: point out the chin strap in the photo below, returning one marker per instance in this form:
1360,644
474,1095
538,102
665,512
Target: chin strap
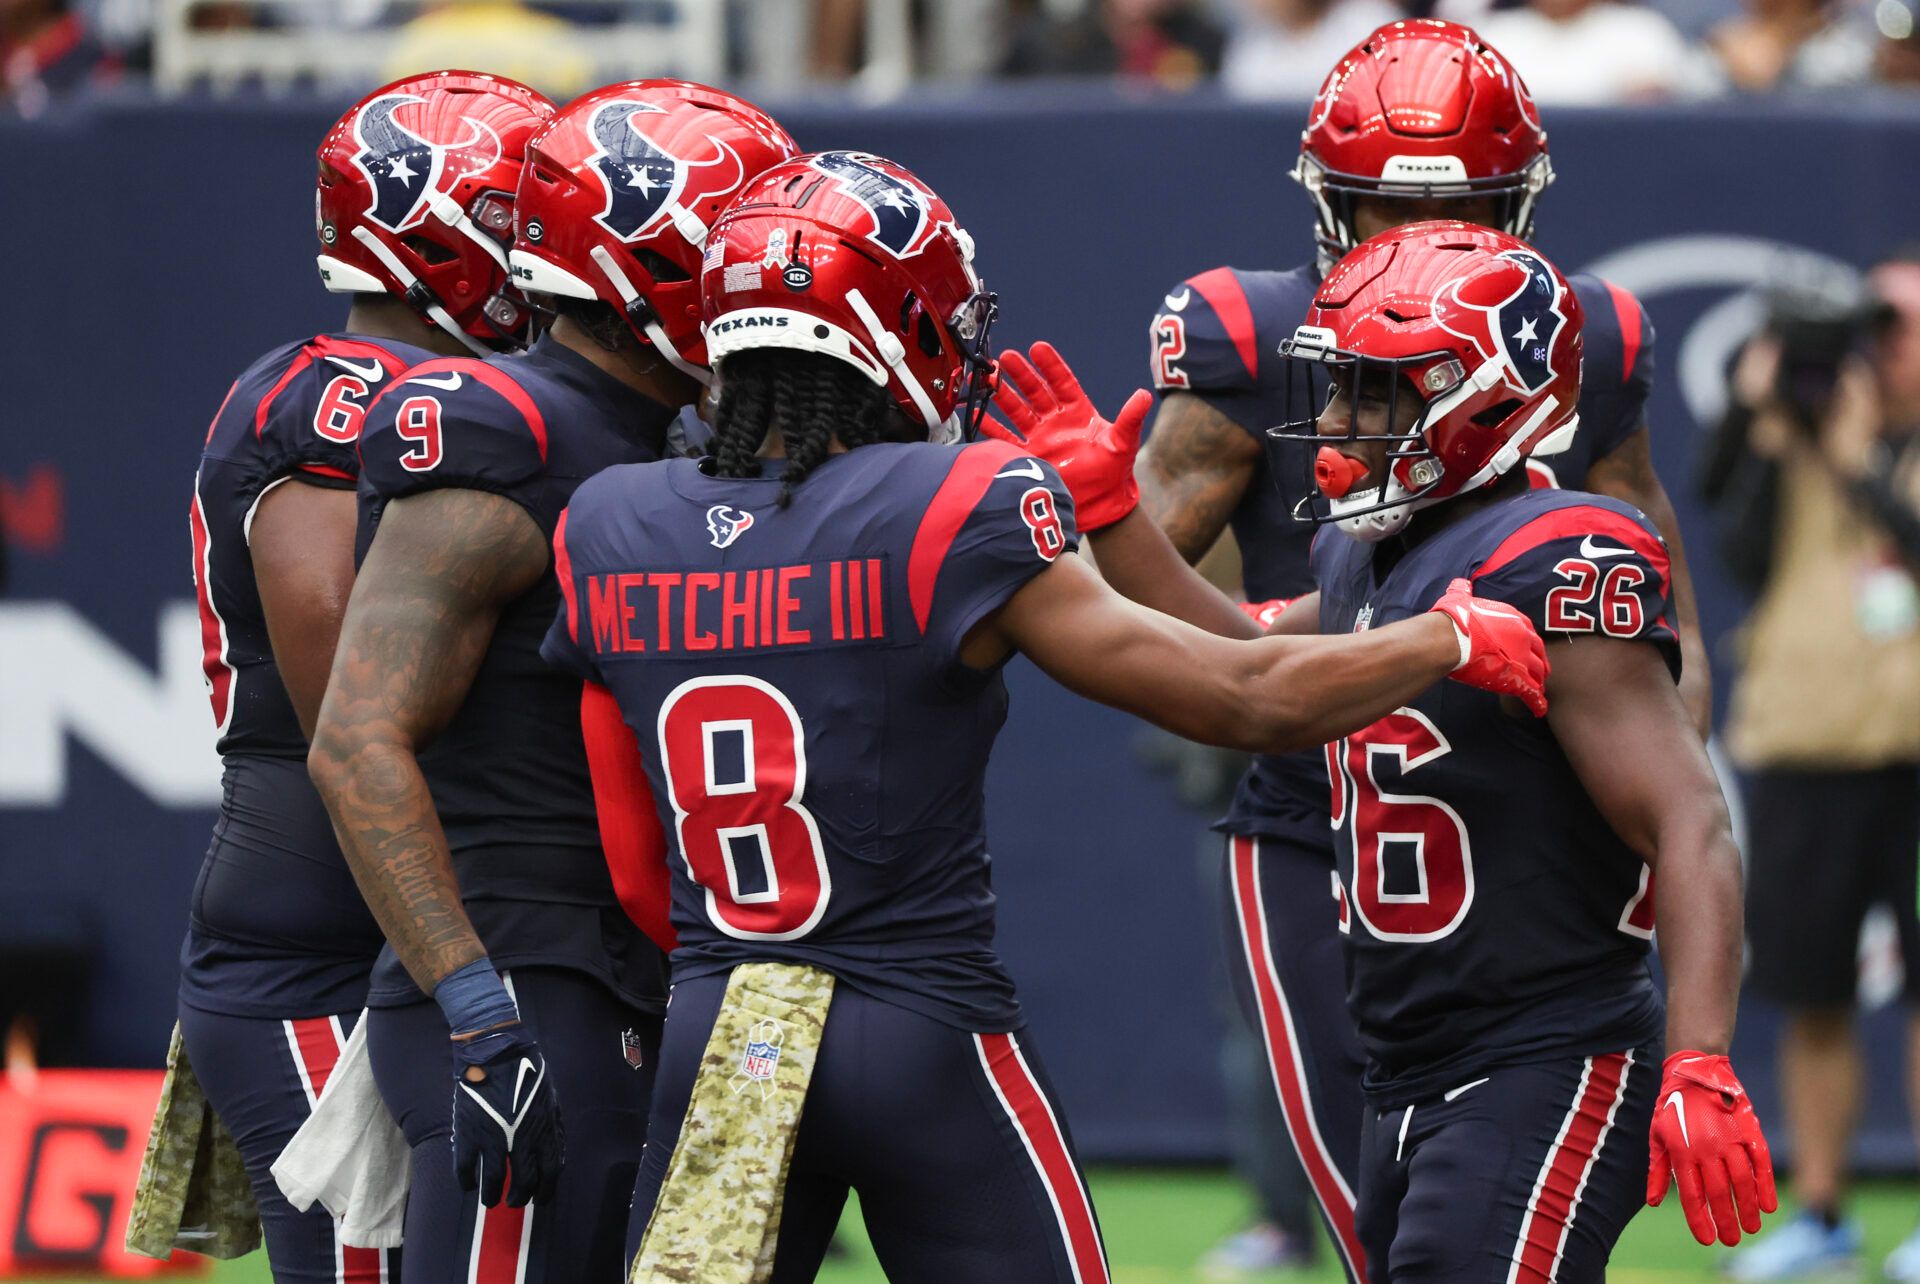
641,314
418,292
891,351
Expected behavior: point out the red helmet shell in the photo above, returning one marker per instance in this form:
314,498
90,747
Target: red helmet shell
621,192
415,198
1487,331
850,255
1423,108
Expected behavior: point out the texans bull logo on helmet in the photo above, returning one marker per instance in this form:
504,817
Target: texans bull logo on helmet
901,217
405,167
644,180
1511,315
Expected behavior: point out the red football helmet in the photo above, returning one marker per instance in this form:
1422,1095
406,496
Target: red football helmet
850,255
620,193
416,199
1422,108
1476,326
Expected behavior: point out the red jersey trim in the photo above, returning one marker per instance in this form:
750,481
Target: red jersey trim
1222,291
1566,523
948,511
491,377
332,346
322,470
299,363
563,570
1627,308
631,834
215,425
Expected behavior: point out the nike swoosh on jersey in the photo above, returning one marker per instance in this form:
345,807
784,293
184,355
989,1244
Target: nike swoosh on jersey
449,383
372,372
1025,468
1679,1105
1590,549
1178,302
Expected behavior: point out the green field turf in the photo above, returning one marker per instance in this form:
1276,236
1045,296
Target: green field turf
1158,1222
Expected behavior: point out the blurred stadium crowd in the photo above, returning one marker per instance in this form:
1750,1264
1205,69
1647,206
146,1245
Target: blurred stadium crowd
1574,52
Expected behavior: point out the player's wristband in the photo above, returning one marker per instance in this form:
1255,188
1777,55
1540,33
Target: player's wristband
474,998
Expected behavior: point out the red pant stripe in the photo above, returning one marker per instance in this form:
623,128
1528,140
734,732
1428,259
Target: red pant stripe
1283,1056
501,1238
1563,1174
1033,1118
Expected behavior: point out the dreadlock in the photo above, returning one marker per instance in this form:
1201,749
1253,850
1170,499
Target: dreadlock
808,398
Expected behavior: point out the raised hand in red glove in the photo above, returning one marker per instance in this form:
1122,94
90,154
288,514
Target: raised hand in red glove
1705,1135
1499,649
1053,418
1267,613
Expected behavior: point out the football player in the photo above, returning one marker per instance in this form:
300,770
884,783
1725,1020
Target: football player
805,633
1493,884
1422,120
450,757
415,198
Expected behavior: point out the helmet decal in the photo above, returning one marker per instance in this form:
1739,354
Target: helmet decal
643,179
404,167
901,217
1514,316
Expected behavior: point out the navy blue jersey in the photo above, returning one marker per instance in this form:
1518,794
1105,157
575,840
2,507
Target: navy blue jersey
294,413
277,927
1218,335
1492,913
817,750
508,773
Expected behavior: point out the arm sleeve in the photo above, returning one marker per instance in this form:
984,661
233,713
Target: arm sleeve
631,834
483,433
1587,569
1000,517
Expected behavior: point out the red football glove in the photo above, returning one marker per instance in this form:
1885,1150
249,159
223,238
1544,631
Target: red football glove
1265,613
1053,418
1499,650
1705,1134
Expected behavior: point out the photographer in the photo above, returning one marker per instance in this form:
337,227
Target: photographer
1815,477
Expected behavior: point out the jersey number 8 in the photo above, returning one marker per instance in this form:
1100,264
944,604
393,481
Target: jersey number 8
739,822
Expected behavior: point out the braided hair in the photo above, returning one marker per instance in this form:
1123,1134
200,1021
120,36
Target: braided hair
808,398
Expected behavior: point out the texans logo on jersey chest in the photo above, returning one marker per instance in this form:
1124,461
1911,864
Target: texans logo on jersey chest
405,167
1512,316
901,216
726,524
643,179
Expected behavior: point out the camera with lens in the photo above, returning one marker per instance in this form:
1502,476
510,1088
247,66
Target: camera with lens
1817,330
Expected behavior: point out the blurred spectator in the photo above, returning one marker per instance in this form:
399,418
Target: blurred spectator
1587,53
46,51
1786,44
1896,60
1815,476
1168,42
504,36
1282,48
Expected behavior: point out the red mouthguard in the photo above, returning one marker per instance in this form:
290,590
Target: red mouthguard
1335,474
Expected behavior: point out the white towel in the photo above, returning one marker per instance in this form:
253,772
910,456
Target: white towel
350,1155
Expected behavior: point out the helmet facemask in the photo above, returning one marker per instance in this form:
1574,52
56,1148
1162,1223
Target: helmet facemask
1334,195
1374,502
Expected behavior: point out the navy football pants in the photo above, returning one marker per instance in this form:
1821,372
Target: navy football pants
577,1238
262,1077
965,1170
1287,960
1528,1174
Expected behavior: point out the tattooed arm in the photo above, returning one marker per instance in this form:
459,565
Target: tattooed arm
423,610
1193,471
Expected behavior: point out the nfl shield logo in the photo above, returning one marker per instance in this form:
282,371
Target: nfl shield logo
759,1061
631,1047
1364,620
760,1058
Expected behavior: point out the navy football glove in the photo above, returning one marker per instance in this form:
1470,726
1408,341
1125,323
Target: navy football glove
506,1123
